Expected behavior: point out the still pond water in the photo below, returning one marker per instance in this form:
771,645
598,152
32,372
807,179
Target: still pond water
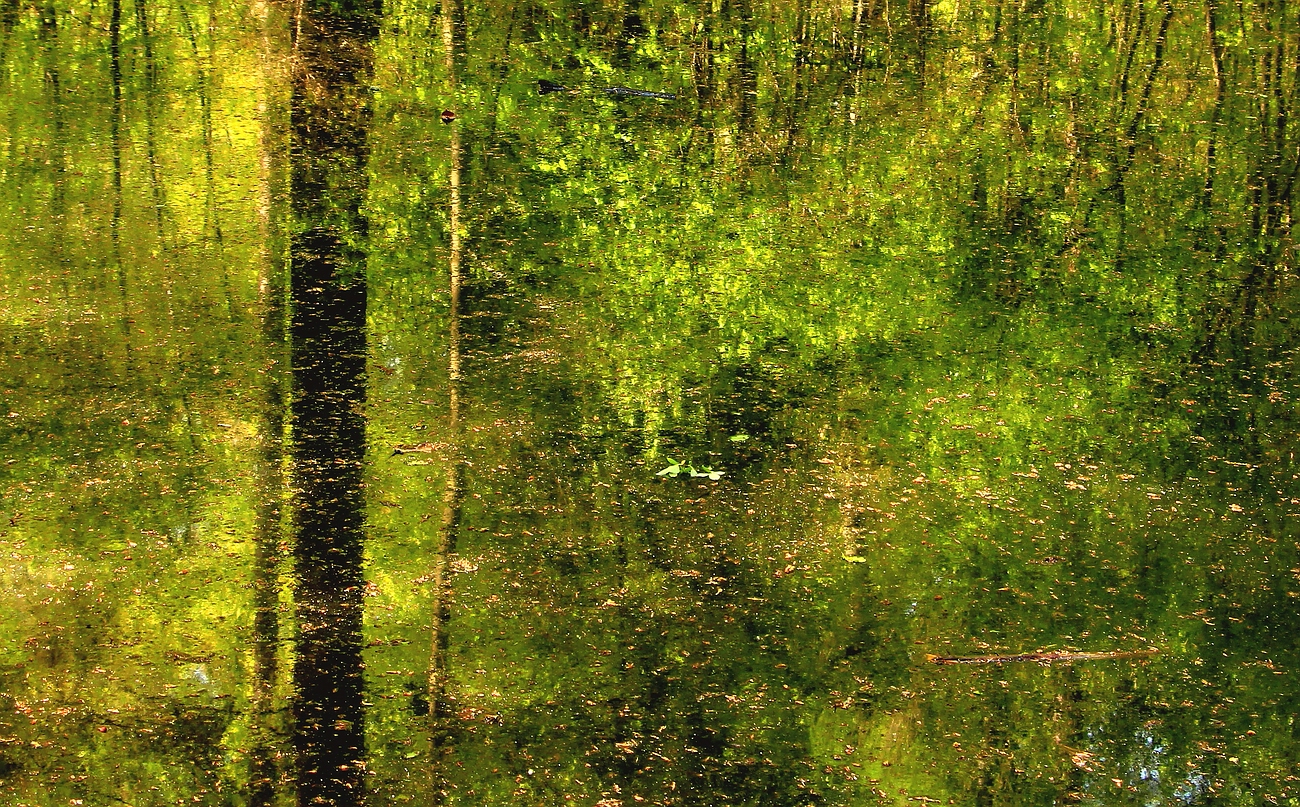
903,413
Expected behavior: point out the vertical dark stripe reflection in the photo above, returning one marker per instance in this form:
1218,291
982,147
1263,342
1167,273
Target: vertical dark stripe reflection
330,111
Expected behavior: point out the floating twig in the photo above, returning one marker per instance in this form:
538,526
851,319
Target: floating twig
1043,657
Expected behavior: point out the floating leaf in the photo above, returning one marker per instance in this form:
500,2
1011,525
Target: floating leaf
679,467
672,470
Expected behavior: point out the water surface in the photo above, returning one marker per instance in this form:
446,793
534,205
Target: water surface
377,430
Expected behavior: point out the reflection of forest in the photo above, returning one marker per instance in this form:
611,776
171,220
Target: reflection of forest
983,311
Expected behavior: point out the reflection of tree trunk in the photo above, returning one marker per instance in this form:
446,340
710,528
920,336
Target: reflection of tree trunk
150,88
799,90
632,30
115,143
115,122
1132,34
1126,148
1216,118
8,19
702,64
49,42
746,75
264,770
441,711
328,345
49,38
203,70
859,24
919,11
1144,97
1273,185
330,118
1012,28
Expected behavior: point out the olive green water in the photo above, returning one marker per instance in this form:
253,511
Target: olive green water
602,450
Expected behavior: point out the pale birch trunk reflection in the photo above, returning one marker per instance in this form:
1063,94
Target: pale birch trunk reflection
441,701
264,769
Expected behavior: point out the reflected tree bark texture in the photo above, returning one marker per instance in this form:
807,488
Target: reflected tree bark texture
50,56
746,71
115,142
150,138
264,769
330,119
203,79
49,39
441,702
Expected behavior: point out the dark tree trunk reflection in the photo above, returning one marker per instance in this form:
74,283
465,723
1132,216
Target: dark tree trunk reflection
330,118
